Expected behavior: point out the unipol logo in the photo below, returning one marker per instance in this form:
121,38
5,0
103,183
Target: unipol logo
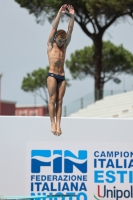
59,160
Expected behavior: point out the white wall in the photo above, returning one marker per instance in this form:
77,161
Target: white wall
17,132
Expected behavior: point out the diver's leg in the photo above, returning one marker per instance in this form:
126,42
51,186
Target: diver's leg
61,87
52,90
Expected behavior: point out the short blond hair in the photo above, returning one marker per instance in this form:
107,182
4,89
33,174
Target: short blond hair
61,33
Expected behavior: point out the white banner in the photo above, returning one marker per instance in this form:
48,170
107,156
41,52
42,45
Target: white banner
92,158
89,170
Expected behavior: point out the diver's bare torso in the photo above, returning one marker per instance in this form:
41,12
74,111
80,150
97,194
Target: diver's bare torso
56,56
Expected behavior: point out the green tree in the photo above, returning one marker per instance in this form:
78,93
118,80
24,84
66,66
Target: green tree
36,82
115,60
99,14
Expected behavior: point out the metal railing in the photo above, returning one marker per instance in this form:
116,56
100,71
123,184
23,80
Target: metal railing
85,101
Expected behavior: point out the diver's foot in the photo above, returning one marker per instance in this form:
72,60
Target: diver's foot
58,131
53,128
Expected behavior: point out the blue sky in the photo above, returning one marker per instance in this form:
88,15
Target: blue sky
23,45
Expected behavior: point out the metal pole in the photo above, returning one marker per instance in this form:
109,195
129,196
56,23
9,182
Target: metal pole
124,84
111,92
34,104
65,111
82,104
0,93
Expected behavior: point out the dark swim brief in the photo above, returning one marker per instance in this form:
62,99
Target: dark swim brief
58,77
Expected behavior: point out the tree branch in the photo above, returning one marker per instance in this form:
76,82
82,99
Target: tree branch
116,17
98,26
88,33
93,24
108,24
82,25
111,76
40,94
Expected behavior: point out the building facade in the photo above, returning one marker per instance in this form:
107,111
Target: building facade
7,108
39,110
10,108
